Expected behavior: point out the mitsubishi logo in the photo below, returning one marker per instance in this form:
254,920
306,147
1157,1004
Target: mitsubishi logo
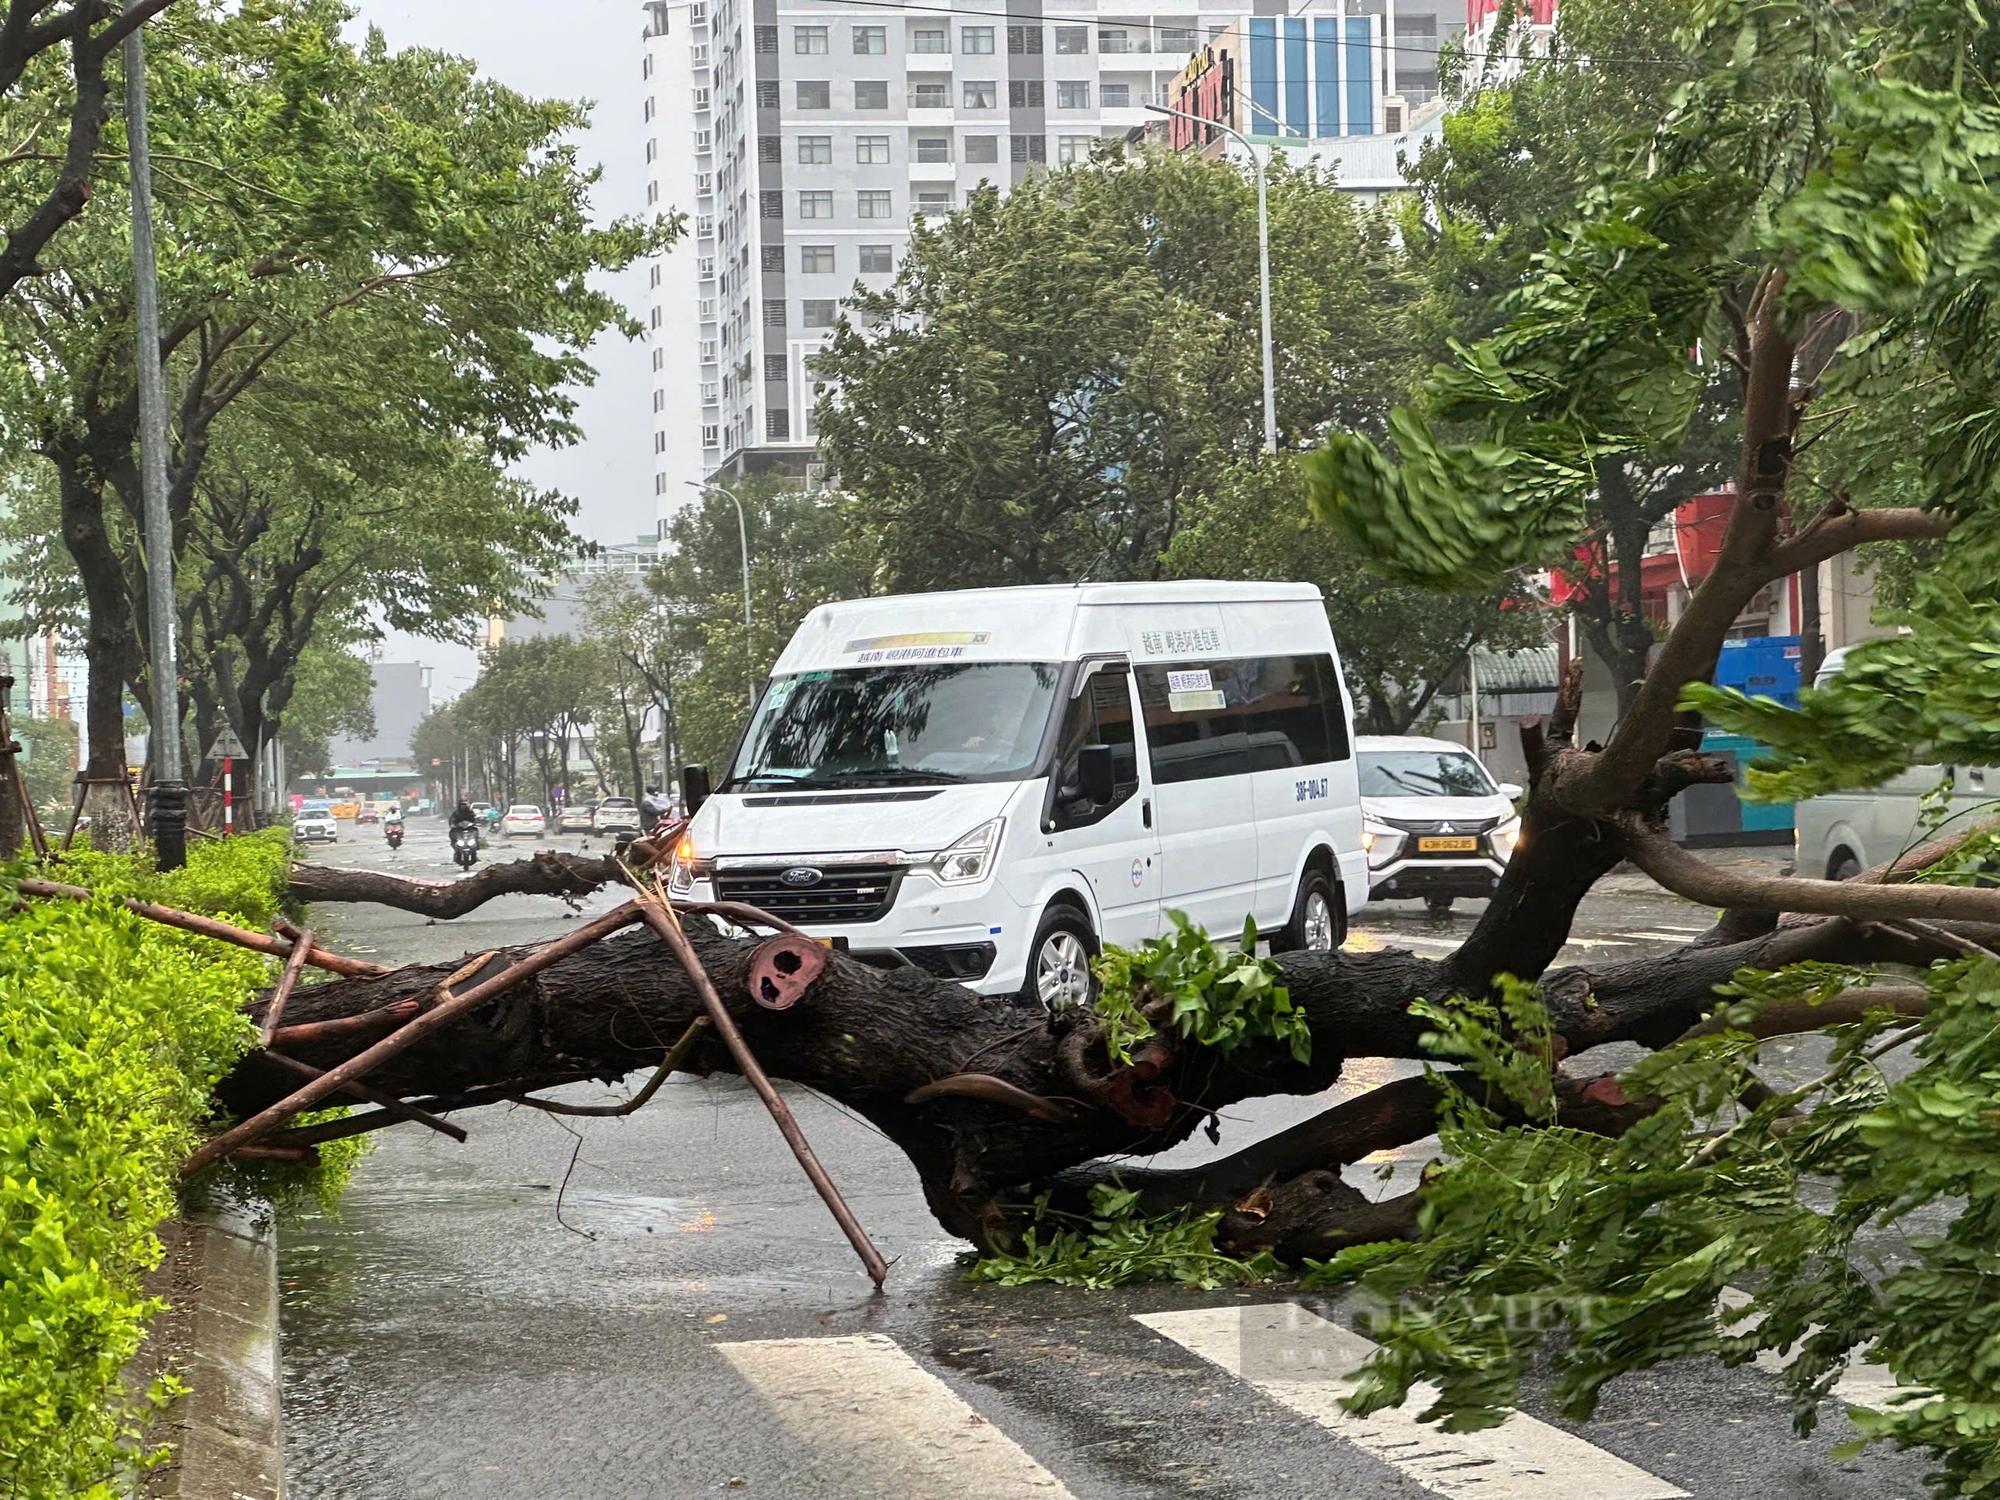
1446,828
801,875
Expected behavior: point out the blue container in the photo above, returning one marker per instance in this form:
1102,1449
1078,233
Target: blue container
1762,666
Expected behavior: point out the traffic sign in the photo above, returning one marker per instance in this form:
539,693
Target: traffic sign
227,745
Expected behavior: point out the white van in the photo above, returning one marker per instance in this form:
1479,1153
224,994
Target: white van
1837,836
987,784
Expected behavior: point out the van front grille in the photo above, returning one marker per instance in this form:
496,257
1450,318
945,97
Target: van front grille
843,893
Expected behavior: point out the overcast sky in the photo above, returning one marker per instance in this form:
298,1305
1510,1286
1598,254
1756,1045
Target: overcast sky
576,49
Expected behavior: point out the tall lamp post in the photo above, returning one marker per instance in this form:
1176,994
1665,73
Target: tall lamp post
743,540
1263,262
169,789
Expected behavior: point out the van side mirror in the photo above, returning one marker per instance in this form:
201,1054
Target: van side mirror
694,788
1511,790
1094,773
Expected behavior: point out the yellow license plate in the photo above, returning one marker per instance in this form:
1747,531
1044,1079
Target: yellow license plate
1447,845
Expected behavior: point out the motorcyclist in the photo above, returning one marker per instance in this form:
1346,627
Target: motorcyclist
392,826
463,813
653,808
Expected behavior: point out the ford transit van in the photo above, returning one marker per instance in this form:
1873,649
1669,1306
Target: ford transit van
988,784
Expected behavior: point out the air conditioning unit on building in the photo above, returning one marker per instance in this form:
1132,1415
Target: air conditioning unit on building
1395,110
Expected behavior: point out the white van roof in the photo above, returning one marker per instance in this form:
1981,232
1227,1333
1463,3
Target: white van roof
1182,620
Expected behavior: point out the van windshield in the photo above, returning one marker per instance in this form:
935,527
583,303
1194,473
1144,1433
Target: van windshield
882,726
1423,773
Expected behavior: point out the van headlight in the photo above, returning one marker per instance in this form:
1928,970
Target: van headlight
684,867
1506,838
1380,841
970,858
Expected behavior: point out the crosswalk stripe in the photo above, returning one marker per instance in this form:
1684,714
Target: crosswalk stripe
1301,1360
888,1423
1861,1384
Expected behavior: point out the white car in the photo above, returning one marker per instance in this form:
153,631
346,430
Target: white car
1437,827
576,817
614,815
523,818
315,828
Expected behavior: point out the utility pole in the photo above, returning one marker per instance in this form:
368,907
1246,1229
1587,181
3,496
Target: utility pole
743,541
169,789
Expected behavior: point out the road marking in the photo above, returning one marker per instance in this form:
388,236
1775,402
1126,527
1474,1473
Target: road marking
888,1423
1301,1360
1860,1384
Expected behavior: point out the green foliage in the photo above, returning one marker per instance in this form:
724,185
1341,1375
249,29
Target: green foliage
1117,1246
1218,1000
50,761
1505,1042
1626,1244
112,1031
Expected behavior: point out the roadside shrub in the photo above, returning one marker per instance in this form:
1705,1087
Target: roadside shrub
113,1030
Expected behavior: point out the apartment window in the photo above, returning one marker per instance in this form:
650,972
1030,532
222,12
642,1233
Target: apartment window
1024,93
1024,39
767,93
871,93
815,96
933,148
774,367
704,224
656,317
701,98
981,148
1121,39
816,260
878,258
772,257
977,40
1072,39
871,41
704,140
770,148
981,93
815,150
646,66
1182,38
774,312
1392,118
928,39
873,204
871,150
659,400
652,149
1115,95
934,205
777,426
809,41
817,311
652,192
771,204
709,392
1073,94
648,112
1071,149
767,39
1028,148
930,93
659,442
711,435
707,354
704,184
817,204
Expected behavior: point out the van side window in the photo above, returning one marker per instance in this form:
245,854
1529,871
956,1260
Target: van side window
1229,718
1100,715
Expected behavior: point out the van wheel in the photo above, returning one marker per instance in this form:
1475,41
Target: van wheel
1843,865
1319,921
1059,960
1439,906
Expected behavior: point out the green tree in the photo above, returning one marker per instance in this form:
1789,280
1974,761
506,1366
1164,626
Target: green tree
1814,208
332,692
1054,377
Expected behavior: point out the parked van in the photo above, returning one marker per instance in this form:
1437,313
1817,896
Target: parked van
988,784
1837,836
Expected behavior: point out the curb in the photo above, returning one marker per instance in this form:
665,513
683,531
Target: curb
220,1336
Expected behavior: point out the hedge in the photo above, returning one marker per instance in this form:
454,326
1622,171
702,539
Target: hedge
113,1030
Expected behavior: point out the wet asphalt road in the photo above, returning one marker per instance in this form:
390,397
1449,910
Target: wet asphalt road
469,1326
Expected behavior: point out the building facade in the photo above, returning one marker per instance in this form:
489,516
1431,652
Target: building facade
801,136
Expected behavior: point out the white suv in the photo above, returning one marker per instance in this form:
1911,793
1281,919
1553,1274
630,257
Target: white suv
614,815
314,828
1437,827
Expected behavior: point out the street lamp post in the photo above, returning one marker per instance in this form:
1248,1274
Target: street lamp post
169,789
743,541
1263,262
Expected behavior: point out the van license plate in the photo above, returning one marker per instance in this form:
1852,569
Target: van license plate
1447,846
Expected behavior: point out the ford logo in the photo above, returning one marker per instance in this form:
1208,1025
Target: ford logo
801,875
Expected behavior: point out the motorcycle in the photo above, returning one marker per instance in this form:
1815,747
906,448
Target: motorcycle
393,832
464,844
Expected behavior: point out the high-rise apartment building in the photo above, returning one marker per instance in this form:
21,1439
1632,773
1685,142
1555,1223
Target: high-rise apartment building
801,136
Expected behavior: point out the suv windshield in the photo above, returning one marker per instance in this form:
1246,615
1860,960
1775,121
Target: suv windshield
879,726
1423,773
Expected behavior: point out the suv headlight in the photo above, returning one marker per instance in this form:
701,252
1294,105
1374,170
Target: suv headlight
1506,837
1380,841
685,867
970,858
